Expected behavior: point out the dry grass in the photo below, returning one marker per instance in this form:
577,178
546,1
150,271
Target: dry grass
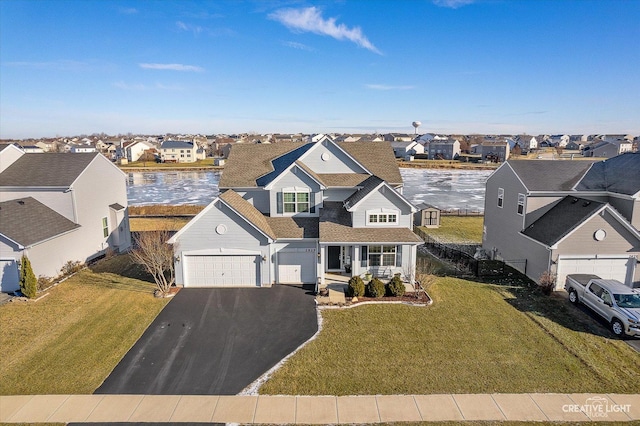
458,229
475,338
141,224
68,342
165,210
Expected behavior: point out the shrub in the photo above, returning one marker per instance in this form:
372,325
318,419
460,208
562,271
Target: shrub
547,282
375,288
355,288
44,282
71,267
28,280
395,287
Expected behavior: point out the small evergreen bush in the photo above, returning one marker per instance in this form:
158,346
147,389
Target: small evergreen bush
355,288
375,288
395,287
28,280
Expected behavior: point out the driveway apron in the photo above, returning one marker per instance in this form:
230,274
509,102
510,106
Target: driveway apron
215,341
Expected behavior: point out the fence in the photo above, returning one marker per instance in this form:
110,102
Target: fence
461,256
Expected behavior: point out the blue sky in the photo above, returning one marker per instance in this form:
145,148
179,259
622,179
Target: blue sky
458,66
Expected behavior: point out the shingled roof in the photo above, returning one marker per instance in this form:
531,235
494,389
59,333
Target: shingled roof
620,174
247,163
46,170
563,218
549,175
27,221
248,211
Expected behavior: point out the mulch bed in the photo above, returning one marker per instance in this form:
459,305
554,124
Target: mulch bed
407,298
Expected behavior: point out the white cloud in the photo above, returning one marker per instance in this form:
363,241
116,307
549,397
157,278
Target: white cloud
128,10
453,4
297,45
195,29
310,20
172,67
388,87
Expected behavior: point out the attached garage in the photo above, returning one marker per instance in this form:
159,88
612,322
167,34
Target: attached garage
9,275
232,270
618,268
296,266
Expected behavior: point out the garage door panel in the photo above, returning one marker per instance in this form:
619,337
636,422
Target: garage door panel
297,266
222,271
607,268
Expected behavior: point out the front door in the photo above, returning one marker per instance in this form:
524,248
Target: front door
333,258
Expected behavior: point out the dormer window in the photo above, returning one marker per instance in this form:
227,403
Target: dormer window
295,200
382,217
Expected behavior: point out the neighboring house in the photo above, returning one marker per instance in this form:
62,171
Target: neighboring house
32,149
9,153
75,149
605,149
496,152
132,151
448,149
56,208
559,140
178,152
404,149
46,146
291,212
566,217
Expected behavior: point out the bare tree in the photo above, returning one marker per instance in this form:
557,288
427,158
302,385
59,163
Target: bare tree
156,256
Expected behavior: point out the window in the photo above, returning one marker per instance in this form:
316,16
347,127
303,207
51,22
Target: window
296,202
382,217
500,197
382,255
521,204
105,227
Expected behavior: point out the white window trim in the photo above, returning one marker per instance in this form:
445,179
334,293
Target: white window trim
377,213
296,190
521,202
381,255
500,198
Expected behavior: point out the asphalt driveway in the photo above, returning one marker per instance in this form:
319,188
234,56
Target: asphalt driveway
215,341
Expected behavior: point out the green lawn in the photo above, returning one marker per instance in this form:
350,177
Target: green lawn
68,342
475,338
458,229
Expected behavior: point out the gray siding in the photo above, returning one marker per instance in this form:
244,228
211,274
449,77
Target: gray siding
384,198
502,224
202,235
293,178
337,194
337,163
56,200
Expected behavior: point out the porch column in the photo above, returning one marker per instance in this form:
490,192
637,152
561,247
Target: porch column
321,262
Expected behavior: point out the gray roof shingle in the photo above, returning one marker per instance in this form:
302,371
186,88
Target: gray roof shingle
549,175
620,174
46,170
27,221
368,186
564,217
248,211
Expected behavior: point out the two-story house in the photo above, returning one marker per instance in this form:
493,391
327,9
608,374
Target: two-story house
566,217
178,152
291,212
447,149
56,208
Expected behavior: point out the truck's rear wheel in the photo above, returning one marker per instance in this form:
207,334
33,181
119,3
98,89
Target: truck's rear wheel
617,327
573,296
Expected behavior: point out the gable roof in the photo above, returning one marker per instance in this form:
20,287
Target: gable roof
177,145
48,170
17,219
369,186
563,218
549,175
248,211
248,163
620,174
294,227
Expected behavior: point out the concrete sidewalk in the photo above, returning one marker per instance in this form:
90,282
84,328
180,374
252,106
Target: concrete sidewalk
318,409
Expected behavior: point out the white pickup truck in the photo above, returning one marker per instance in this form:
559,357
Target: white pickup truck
612,300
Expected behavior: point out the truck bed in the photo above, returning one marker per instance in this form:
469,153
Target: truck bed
582,279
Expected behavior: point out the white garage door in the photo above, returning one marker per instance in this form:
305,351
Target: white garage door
297,266
9,275
222,271
608,268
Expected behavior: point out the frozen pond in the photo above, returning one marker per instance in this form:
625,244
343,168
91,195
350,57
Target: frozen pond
443,188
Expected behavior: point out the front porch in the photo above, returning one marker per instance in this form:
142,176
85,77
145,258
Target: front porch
332,291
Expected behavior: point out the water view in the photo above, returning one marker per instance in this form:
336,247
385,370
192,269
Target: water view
445,189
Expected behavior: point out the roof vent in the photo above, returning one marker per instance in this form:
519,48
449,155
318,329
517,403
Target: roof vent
586,203
574,200
21,202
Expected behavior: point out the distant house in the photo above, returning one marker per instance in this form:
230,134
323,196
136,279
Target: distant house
56,208
605,149
565,217
447,149
402,149
496,152
32,149
178,152
133,150
559,140
75,149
